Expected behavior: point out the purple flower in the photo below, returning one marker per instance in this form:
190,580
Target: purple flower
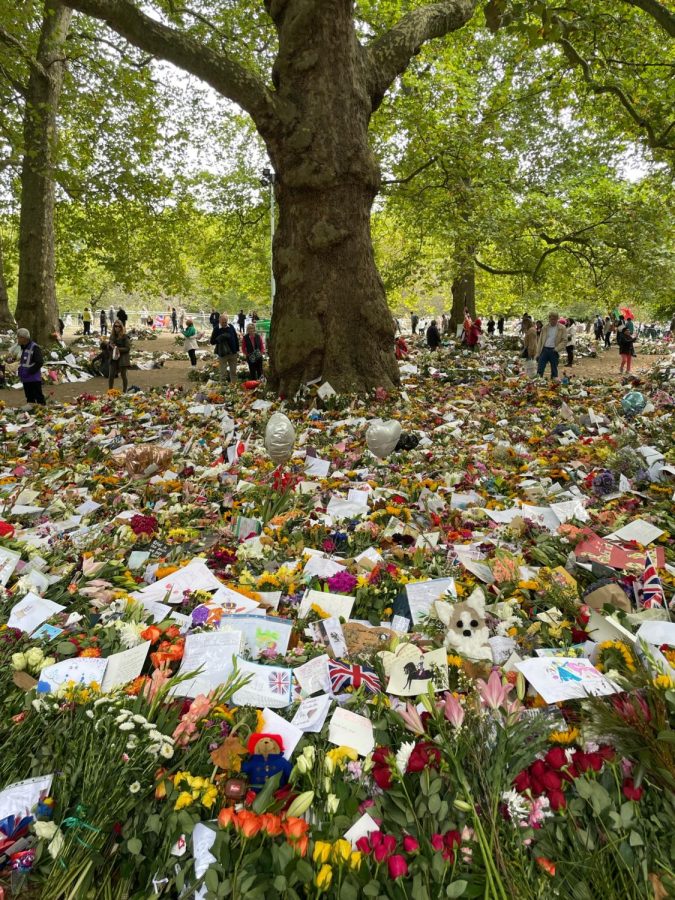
200,615
342,583
604,483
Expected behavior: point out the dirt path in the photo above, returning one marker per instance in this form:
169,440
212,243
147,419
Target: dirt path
175,372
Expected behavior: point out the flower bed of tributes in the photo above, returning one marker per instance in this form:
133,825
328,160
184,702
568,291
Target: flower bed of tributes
449,672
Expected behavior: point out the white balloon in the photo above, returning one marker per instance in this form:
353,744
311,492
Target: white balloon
279,438
383,438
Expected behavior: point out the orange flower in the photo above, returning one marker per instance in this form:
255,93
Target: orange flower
249,823
173,631
151,633
227,816
295,828
546,865
134,688
271,824
91,652
300,846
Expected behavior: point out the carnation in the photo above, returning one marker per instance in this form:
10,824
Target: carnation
342,583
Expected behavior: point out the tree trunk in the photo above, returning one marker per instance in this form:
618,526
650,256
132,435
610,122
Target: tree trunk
7,322
331,320
463,296
36,307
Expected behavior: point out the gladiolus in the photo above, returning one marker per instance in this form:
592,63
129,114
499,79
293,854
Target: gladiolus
398,867
324,877
301,804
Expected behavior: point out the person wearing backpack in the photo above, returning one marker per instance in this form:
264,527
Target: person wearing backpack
253,348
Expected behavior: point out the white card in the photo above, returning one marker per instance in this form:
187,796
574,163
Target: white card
422,595
194,576
124,667
269,686
313,676
289,732
409,679
212,651
8,561
657,633
361,828
31,612
347,729
18,799
334,604
564,678
317,467
81,670
637,530
322,567
312,712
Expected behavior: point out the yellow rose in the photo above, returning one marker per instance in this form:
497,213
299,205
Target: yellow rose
321,852
184,799
324,877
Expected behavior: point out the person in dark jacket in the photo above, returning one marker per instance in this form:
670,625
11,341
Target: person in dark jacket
120,347
500,325
100,364
226,346
214,318
253,348
433,336
122,316
30,367
491,326
174,320
241,320
103,322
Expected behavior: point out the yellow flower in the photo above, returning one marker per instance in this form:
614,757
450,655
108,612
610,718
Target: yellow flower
664,682
324,877
184,799
321,852
319,611
455,661
209,796
338,757
355,859
342,850
564,737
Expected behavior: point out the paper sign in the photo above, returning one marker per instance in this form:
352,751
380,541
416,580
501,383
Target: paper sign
422,594
334,635
8,561
137,558
203,838
31,612
317,467
269,686
212,651
312,713
411,678
347,729
289,732
312,676
638,530
20,798
657,633
263,634
361,828
565,678
322,567
81,670
124,667
332,604
195,576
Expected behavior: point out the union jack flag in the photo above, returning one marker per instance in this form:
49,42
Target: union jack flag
279,682
653,596
344,675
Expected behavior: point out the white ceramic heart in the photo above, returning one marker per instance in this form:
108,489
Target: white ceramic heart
382,438
279,438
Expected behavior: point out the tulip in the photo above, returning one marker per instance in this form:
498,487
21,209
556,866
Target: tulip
453,711
410,844
398,867
324,877
301,804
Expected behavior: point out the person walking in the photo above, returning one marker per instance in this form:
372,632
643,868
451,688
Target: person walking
472,336
552,342
241,320
500,325
607,329
530,339
120,347
103,322
491,326
111,316
174,320
253,348
569,346
190,335
226,347
625,342
30,367
86,320
414,319
433,336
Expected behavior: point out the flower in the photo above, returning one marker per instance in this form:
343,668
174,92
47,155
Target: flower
403,755
424,755
135,787
546,865
493,693
19,662
45,830
332,804
270,823
383,845
363,846
342,850
629,790
184,799
34,657
382,768
321,853
453,710
410,844
249,823
324,877
397,865
412,719
556,757
226,817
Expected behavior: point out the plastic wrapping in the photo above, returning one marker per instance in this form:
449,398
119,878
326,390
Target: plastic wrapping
633,403
279,438
382,438
137,460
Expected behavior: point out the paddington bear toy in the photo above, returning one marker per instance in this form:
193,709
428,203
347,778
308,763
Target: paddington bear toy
266,760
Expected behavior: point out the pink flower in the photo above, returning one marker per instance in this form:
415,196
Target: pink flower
412,719
494,693
385,848
397,865
453,710
410,844
437,841
363,844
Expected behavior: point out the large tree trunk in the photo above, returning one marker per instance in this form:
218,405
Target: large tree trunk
36,307
331,319
463,296
7,322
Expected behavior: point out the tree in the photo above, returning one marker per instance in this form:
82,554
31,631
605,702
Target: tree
313,111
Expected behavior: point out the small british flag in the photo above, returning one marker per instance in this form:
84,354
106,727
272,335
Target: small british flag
344,675
653,596
279,682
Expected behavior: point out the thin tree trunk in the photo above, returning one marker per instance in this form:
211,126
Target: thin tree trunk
463,296
36,307
331,319
7,322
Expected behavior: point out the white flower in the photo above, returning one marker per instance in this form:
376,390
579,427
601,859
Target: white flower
132,743
155,735
123,716
166,751
90,713
332,804
130,633
19,661
517,806
100,701
140,720
403,756
127,726
46,662
135,787
302,765
153,749
38,704
45,830
56,844
309,754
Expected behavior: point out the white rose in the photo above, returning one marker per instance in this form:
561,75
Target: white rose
46,662
34,657
45,830
301,765
332,804
309,754
19,661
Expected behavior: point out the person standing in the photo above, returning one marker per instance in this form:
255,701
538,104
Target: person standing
491,326
530,349
190,335
472,336
625,341
86,320
500,325
214,319
253,349
552,342
241,320
61,328
174,320
30,367
120,347
226,347
607,329
569,346
103,322
414,319
433,336
111,316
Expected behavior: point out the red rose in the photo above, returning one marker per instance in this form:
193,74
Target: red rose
631,792
606,752
557,800
522,781
410,844
595,761
552,781
397,866
538,768
452,839
423,756
581,762
437,842
363,844
556,758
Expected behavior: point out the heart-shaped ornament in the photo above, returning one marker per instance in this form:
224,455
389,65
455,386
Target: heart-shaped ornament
383,437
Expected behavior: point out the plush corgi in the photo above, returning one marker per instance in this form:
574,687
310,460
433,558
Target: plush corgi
467,632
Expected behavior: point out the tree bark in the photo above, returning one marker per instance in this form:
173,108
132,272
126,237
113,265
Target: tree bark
7,322
463,296
36,307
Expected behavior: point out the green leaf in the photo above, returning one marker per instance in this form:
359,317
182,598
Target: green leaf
434,804
263,799
456,888
348,891
134,846
372,889
211,880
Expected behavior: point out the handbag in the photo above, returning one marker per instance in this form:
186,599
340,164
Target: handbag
116,353
254,357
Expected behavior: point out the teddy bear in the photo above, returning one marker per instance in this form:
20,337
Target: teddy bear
467,632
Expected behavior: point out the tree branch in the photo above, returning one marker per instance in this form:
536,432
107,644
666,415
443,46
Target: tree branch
412,175
228,76
389,55
658,12
26,56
